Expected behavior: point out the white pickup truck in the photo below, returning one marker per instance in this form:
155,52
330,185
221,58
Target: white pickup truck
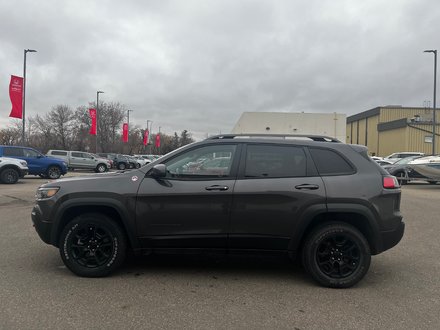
82,160
12,169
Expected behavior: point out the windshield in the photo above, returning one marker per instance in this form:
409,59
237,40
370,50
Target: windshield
406,160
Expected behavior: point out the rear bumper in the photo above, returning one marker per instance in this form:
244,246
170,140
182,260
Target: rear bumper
390,238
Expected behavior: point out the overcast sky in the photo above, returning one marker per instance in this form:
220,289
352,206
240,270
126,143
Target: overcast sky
197,65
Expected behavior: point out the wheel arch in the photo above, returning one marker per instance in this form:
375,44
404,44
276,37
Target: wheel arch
358,217
74,209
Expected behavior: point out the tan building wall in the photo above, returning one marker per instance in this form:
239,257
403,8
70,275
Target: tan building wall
385,130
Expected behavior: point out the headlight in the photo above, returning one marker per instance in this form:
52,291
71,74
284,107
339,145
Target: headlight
44,193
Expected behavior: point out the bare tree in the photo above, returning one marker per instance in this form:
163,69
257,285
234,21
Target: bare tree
61,118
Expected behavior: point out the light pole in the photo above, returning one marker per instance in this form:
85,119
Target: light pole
97,121
24,94
434,51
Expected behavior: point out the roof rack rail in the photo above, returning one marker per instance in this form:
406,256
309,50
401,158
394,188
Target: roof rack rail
318,138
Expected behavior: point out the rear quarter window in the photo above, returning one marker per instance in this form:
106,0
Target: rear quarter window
329,162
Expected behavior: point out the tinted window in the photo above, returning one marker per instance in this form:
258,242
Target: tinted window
208,161
59,153
275,161
17,152
329,162
77,154
30,153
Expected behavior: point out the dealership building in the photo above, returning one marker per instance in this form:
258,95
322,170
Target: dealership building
389,129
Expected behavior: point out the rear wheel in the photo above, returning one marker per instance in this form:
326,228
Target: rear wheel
336,255
9,176
53,172
92,245
121,166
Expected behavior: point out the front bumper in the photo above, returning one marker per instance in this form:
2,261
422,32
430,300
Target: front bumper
43,227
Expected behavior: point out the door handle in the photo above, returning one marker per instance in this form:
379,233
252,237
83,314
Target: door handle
307,186
217,187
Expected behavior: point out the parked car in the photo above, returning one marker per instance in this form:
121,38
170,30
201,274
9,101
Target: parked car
405,173
394,157
133,163
382,162
319,200
141,161
38,163
120,162
81,160
12,169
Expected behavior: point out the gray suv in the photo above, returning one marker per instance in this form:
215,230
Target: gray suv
313,198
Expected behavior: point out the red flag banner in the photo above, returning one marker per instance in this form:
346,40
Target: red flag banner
92,113
125,132
146,136
16,96
157,140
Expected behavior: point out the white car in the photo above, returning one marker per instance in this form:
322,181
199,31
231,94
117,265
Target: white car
394,157
12,169
141,161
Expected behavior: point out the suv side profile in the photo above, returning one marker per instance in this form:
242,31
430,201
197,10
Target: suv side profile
313,198
12,169
38,163
82,160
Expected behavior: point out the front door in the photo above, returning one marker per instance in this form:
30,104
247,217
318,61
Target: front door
190,207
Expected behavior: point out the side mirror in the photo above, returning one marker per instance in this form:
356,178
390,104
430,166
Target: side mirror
159,171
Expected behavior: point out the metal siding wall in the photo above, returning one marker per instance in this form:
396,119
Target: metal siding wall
372,142
392,141
390,114
416,139
362,130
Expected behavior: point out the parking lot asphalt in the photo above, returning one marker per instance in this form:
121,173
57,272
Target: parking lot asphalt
401,290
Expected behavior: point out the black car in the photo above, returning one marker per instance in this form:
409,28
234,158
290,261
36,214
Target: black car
325,202
404,172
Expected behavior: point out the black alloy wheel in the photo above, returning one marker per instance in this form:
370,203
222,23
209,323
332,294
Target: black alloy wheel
121,166
9,176
92,245
53,172
336,255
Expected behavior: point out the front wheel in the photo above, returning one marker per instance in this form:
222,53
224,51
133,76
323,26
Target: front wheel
121,166
9,176
336,255
101,168
53,172
92,245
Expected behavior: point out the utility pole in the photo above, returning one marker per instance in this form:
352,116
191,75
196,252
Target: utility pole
23,140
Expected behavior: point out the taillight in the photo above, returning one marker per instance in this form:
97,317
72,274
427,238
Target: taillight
390,182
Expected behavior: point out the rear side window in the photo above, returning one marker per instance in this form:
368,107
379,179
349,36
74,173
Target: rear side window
329,162
59,153
16,152
268,161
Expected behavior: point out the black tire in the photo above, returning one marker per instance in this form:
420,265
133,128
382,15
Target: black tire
9,176
101,168
92,245
122,166
336,255
138,165
53,172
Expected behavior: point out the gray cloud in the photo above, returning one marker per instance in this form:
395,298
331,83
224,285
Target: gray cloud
197,65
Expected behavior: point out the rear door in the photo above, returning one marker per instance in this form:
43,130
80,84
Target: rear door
277,184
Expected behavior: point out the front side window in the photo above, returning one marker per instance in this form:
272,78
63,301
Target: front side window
207,161
268,161
77,154
30,153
